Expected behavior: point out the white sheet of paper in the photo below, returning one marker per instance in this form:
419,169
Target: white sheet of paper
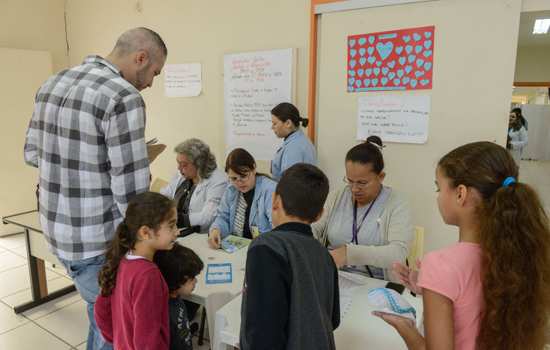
182,80
394,117
254,83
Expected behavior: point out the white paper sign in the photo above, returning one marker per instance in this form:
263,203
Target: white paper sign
394,117
254,83
182,80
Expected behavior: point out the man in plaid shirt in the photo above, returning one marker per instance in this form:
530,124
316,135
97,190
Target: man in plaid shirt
86,137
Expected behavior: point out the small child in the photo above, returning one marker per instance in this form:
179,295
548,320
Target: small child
490,290
290,298
179,267
127,311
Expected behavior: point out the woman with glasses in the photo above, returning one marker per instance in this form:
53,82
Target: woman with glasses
197,187
366,225
296,147
245,208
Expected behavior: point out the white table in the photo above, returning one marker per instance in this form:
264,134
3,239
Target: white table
359,329
37,253
214,296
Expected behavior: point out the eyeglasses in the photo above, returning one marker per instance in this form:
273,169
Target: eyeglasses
358,184
239,179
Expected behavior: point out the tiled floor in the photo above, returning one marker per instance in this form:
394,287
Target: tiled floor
60,324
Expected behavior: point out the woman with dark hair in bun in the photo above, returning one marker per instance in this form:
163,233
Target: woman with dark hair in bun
366,225
296,148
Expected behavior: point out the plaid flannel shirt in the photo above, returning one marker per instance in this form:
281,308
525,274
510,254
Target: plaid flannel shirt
87,138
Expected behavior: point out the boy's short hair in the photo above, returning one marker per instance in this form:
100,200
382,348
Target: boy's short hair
178,265
303,189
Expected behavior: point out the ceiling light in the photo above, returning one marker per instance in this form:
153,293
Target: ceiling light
541,26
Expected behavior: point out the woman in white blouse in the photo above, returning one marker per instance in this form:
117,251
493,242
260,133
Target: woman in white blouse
197,187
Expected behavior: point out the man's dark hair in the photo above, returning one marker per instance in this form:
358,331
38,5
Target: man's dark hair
303,189
178,265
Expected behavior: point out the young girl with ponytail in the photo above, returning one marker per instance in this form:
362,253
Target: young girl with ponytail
491,290
132,309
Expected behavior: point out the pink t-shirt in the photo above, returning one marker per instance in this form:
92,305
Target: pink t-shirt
455,272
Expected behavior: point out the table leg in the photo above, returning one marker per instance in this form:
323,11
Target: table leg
37,273
201,328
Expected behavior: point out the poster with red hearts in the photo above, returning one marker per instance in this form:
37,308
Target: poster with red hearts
393,60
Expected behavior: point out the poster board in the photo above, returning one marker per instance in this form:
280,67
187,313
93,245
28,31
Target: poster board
254,83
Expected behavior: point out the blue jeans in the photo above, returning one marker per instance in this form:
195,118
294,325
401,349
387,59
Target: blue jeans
84,274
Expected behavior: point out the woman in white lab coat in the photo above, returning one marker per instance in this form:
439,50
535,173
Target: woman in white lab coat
517,137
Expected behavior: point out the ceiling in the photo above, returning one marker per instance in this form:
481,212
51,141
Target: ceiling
526,36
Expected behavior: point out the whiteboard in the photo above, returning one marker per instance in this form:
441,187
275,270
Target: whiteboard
254,83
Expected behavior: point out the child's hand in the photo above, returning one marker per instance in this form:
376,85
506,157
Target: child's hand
395,321
408,276
214,239
340,256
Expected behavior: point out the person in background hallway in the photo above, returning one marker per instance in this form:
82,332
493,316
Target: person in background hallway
517,137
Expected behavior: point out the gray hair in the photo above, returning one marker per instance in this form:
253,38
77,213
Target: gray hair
140,38
198,153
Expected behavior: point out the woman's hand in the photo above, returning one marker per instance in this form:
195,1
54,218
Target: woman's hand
408,276
340,256
214,239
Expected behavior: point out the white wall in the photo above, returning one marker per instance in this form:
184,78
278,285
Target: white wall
35,25
533,64
194,31
472,88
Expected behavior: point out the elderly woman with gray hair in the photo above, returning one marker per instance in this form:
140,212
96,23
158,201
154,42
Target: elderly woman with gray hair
197,187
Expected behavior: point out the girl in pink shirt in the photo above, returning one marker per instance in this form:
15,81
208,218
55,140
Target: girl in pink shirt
132,309
491,290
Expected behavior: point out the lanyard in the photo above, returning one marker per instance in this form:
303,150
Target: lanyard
355,228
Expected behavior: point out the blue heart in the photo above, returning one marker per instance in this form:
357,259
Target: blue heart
428,66
416,37
351,73
378,63
417,49
360,72
385,70
408,69
352,63
362,51
413,83
402,60
427,53
399,49
400,73
358,83
384,80
371,39
371,59
352,52
419,73
370,50
406,80
424,82
411,58
396,82
384,50
351,80
376,71
374,82
351,42
406,38
362,61
391,64
368,72
408,48
366,82
362,41
427,34
427,44
419,62
391,75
